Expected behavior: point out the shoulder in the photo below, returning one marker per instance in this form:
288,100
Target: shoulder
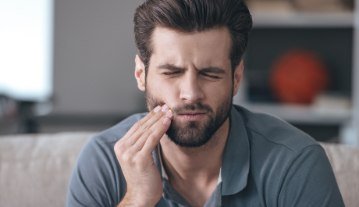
272,131
97,176
281,157
277,146
100,146
114,133
99,149
107,138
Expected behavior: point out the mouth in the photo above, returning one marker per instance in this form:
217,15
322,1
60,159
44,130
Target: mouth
191,116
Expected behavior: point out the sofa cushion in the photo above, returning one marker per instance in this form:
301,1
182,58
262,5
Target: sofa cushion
35,169
345,164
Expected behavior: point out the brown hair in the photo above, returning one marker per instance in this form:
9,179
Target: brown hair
193,16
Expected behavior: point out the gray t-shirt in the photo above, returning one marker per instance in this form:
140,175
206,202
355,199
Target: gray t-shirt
266,162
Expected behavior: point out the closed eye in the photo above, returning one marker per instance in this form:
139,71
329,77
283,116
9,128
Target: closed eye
170,70
169,73
212,72
210,75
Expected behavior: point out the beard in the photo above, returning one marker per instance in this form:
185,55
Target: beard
193,133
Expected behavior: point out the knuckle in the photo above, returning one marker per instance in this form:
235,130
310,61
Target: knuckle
126,157
137,125
119,146
141,122
154,131
152,138
144,127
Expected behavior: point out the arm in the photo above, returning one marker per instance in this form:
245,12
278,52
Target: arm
134,153
98,178
95,178
310,181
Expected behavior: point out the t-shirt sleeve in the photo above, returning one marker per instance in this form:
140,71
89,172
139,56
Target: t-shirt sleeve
95,180
310,181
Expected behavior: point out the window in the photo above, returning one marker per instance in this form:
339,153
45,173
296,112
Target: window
26,28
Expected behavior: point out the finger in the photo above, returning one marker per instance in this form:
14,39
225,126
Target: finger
141,122
143,129
140,127
157,132
126,142
150,130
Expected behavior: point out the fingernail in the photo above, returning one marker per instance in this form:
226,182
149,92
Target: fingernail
164,108
157,109
169,114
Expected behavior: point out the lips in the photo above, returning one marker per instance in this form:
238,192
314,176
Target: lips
191,116
191,113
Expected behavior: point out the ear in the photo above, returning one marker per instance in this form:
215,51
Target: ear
140,73
237,77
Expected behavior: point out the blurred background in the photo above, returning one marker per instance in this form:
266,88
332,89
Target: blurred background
67,65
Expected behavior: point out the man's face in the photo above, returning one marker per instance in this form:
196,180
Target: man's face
191,73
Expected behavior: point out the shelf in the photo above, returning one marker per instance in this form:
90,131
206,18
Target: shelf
302,19
303,114
282,21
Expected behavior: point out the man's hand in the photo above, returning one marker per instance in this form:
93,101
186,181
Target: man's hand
133,152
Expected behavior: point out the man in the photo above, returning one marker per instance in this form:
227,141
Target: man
194,148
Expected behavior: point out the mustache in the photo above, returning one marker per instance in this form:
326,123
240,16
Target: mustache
197,107
152,102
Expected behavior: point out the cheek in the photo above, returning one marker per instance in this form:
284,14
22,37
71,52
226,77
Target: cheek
222,87
220,94
162,90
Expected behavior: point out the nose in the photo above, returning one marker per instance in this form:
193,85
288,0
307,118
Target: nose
191,88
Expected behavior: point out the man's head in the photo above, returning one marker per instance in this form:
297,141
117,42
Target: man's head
192,16
190,59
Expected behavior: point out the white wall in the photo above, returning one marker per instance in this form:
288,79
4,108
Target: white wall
94,58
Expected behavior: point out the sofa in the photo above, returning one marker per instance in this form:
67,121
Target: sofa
35,169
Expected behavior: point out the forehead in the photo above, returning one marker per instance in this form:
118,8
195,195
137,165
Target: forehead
209,47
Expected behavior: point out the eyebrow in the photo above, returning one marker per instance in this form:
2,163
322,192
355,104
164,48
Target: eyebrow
170,67
216,70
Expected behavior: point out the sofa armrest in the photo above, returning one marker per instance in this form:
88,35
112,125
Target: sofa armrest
345,164
35,169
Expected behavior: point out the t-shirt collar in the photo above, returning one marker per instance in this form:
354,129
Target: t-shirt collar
236,157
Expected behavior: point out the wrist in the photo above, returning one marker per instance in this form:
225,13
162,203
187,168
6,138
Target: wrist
135,201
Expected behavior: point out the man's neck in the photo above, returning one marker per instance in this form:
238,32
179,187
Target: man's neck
198,166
